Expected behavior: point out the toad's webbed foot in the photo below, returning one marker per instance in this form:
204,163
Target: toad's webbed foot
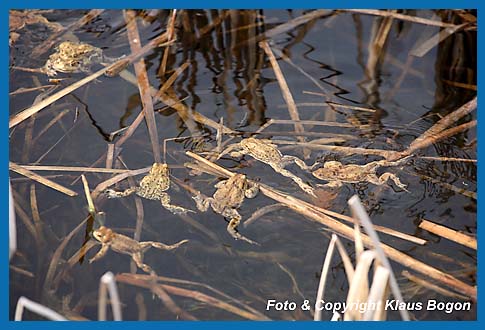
231,229
286,160
386,176
175,209
303,186
202,202
117,194
161,246
138,259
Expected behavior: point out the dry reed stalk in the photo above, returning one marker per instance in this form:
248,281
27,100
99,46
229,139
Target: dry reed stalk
107,285
73,169
271,208
426,284
24,114
167,96
46,127
55,259
449,234
378,295
387,154
293,23
28,140
445,122
323,277
310,122
299,135
170,304
23,90
294,283
188,116
140,216
402,17
430,139
449,159
359,287
21,271
461,85
39,237
36,308
12,225
29,225
375,51
87,193
351,107
40,179
285,90
379,251
110,155
170,33
205,286
142,309
316,215
49,43
196,295
169,82
143,82
262,211
215,22
433,41
75,258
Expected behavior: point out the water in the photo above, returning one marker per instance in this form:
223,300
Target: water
232,79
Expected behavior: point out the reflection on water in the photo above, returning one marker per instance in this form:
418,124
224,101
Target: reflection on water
352,78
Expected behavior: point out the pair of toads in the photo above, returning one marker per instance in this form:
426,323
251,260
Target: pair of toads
231,193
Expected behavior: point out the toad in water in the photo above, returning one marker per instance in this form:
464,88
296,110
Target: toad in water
153,186
127,245
227,199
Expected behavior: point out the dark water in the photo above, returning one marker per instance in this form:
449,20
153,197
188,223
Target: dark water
230,77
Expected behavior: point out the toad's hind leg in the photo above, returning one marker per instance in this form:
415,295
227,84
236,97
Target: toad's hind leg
303,186
146,245
138,259
232,148
386,176
202,203
117,194
175,209
286,160
231,227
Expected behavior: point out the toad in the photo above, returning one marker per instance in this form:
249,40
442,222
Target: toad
127,245
227,199
268,153
337,173
153,186
72,57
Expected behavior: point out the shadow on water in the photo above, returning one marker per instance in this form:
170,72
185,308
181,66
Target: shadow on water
337,66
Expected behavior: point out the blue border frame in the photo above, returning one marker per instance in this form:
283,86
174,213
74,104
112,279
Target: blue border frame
302,4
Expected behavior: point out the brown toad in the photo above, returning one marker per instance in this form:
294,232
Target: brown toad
127,245
268,153
227,199
337,173
72,57
153,186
